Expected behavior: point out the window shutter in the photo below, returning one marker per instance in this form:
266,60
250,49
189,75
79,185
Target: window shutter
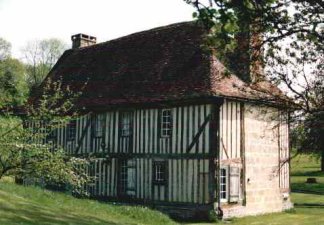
234,176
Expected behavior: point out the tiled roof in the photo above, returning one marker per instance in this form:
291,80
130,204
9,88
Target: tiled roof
162,64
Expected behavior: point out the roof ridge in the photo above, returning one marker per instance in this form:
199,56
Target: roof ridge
131,35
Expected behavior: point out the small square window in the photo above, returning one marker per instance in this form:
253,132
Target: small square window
160,174
166,123
71,130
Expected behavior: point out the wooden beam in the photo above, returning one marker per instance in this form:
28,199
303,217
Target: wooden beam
242,143
213,187
225,150
200,131
84,131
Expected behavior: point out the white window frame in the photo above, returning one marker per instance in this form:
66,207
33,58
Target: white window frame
226,184
166,123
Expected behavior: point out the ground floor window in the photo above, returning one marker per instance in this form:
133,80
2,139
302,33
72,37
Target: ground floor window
223,184
230,184
127,177
159,172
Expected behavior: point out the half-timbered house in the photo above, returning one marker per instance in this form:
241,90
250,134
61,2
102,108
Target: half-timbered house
171,128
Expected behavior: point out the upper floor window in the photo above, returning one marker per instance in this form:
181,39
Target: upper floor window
97,125
125,124
71,130
166,123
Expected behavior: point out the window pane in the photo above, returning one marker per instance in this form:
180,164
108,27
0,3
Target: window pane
223,184
166,123
159,172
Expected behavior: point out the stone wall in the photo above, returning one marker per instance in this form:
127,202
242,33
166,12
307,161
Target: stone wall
263,194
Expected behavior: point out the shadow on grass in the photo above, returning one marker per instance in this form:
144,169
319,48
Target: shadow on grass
308,173
317,188
309,205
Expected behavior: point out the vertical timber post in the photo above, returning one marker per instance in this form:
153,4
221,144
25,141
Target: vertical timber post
214,155
242,143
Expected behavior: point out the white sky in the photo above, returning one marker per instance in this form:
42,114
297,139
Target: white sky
24,20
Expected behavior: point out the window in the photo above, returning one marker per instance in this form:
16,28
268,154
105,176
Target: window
166,123
52,135
159,170
127,177
71,130
223,184
97,125
230,184
125,124
123,177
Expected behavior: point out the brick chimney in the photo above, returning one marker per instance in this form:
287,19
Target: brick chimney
247,61
82,40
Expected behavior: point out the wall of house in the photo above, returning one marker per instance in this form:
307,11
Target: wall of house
252,138
186,153
266,180
230,131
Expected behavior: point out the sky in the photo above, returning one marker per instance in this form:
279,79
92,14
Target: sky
26,20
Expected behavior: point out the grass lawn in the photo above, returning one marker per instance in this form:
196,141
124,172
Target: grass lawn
303,167
30,205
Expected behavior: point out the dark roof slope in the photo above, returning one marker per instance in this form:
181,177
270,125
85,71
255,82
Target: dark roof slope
162,64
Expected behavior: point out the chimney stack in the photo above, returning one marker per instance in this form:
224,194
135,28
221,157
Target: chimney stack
82,40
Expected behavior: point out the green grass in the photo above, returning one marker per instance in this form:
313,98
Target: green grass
35,206
31,205
303,167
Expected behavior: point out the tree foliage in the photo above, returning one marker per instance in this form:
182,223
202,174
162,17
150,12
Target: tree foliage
24,147
287,36
13,86
232,21
5,49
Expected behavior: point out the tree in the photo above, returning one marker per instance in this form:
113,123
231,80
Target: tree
41,57
285,36
13,86
25,151
5,49
262,23
307,135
